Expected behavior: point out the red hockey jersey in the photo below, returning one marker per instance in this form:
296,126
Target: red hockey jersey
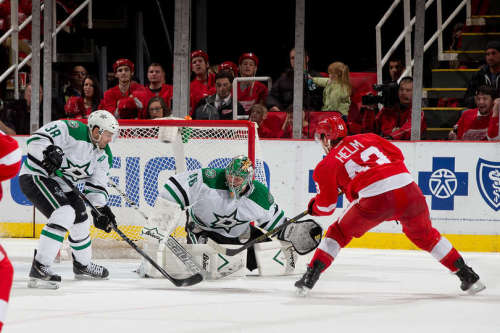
113,95
201,89
472,126
362,165
10,158
166,93
253,93
493,129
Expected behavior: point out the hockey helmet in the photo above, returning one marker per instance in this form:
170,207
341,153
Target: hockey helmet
228,65
104,120
199,53
332,128
249,55
123,62
239,174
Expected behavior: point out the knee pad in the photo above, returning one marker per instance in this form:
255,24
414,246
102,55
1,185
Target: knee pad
63,216
334,231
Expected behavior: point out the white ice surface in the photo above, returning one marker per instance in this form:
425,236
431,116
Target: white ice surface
364,291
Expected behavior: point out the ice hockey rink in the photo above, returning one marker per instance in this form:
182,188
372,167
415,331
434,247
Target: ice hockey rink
365,291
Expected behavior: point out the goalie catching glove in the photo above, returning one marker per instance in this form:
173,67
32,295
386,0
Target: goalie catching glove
304,235
106,220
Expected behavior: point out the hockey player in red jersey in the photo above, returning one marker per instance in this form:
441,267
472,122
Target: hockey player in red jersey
10,162
371,172
126,92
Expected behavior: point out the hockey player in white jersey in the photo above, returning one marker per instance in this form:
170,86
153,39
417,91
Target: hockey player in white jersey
221,203
82,154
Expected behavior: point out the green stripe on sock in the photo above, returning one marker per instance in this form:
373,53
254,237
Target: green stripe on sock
53,236
174,195
81,247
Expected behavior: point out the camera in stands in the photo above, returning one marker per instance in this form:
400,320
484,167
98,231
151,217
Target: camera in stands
388,95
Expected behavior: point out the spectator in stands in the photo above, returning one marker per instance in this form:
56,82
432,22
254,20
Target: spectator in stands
474,123
250,92
220,104
203,83
228,66
396,68
15,116
337,89
127,100
258,114
81,107
489,74
72,87
493,127
157,85
395,122
281,94
157,108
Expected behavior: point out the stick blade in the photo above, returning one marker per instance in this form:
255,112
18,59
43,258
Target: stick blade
189,281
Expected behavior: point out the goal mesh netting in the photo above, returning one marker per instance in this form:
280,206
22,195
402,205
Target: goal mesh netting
147,153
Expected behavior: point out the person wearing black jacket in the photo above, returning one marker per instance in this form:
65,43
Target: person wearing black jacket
281,95
488,74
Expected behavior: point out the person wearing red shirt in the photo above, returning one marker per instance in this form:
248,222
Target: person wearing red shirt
10,162
395,122
203,84
81,106
157,85
493,127
125,93
474,123
372,174
250,92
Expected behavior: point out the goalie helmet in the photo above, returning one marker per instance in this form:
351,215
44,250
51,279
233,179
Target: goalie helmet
104,120
239,174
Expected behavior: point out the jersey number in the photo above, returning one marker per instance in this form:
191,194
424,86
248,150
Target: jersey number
53,131
354,168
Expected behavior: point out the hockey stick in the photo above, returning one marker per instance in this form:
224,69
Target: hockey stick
189,281
231,252
180,252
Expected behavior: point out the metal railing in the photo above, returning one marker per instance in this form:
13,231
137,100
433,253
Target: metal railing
406,34
235,91
14,31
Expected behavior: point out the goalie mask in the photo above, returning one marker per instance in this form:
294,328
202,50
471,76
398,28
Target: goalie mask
239,174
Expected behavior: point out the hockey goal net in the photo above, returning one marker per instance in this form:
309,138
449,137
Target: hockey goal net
147,152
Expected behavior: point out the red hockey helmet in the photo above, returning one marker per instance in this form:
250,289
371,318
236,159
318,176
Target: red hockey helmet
228,65
249,55
199,53
123,62
332,128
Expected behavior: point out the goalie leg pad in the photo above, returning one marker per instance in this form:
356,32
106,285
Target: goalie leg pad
278,258
166,217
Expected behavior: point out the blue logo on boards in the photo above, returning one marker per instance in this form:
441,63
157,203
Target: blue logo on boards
443,183
488,182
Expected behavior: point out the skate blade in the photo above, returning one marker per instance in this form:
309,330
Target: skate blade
42,284
476,287
88,277
302,291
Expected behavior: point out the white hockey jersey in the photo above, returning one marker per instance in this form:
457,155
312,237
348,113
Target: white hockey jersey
83,161
213,208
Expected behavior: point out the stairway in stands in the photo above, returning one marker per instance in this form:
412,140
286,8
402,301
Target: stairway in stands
451,83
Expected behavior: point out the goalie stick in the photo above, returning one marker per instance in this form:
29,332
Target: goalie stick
189,281
231,252
177,249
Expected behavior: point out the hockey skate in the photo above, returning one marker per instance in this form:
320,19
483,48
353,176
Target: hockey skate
42,276
89,272
309,278
469,278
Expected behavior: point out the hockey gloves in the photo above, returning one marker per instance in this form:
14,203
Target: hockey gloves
304,235
52,158
106,220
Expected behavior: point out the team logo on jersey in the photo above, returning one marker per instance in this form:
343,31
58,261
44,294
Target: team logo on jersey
227,222
73,124
488,182
210,173
443,183
75,171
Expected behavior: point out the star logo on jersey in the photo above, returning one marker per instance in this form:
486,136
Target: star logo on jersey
443,183
75,171
226,222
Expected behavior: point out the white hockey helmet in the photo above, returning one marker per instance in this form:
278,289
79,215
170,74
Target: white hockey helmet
104,120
